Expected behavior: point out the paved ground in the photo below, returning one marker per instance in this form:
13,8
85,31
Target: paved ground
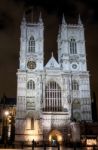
61,148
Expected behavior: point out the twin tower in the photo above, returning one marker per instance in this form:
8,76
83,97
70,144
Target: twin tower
50,96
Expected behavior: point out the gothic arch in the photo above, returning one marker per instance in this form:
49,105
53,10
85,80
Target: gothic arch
30,85
31,44
53,80
72,45
55,135
30,120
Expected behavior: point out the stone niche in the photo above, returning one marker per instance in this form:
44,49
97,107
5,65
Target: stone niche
75,132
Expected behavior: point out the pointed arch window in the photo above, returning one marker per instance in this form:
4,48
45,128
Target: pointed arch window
30,85
73,48
30,123
75,85
76,104
31,47
52,97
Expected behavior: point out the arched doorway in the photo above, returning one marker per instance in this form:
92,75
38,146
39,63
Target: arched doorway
55,136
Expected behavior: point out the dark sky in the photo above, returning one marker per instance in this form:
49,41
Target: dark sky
11,12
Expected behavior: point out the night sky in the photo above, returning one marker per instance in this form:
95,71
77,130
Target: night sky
11,13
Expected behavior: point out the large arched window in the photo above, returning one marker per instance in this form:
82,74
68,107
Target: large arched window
75,85
31,47
52,100
30,85
73,48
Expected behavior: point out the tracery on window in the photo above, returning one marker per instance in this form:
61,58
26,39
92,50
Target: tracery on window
31,47
75,85
30,85
73,49
52,100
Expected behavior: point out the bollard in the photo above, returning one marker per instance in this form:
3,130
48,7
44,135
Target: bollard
94,147
58,146
33,145
22,144
74,147
44,146
13,145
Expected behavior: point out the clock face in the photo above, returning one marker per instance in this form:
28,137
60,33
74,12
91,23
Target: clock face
74,66
31,65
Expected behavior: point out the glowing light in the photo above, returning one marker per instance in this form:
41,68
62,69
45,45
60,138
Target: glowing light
59,138
91,142
6,113
50,138
55,136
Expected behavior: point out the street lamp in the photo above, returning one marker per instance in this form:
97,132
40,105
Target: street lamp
6,113
5,127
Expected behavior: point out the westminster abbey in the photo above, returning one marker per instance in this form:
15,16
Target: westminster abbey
50,96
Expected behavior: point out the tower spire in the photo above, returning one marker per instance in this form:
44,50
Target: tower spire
52,53
79,20
63,20
59,31
23,19
40,18
32,15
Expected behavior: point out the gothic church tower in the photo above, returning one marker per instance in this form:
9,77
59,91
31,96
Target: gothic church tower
29,80
72,60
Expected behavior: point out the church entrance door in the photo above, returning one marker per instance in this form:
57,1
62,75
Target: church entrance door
55,136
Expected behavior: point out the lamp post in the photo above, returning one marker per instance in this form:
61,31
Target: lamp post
12,131
5,127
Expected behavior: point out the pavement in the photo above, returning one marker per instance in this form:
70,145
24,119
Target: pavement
52,148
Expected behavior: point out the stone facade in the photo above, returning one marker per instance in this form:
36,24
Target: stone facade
49,96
